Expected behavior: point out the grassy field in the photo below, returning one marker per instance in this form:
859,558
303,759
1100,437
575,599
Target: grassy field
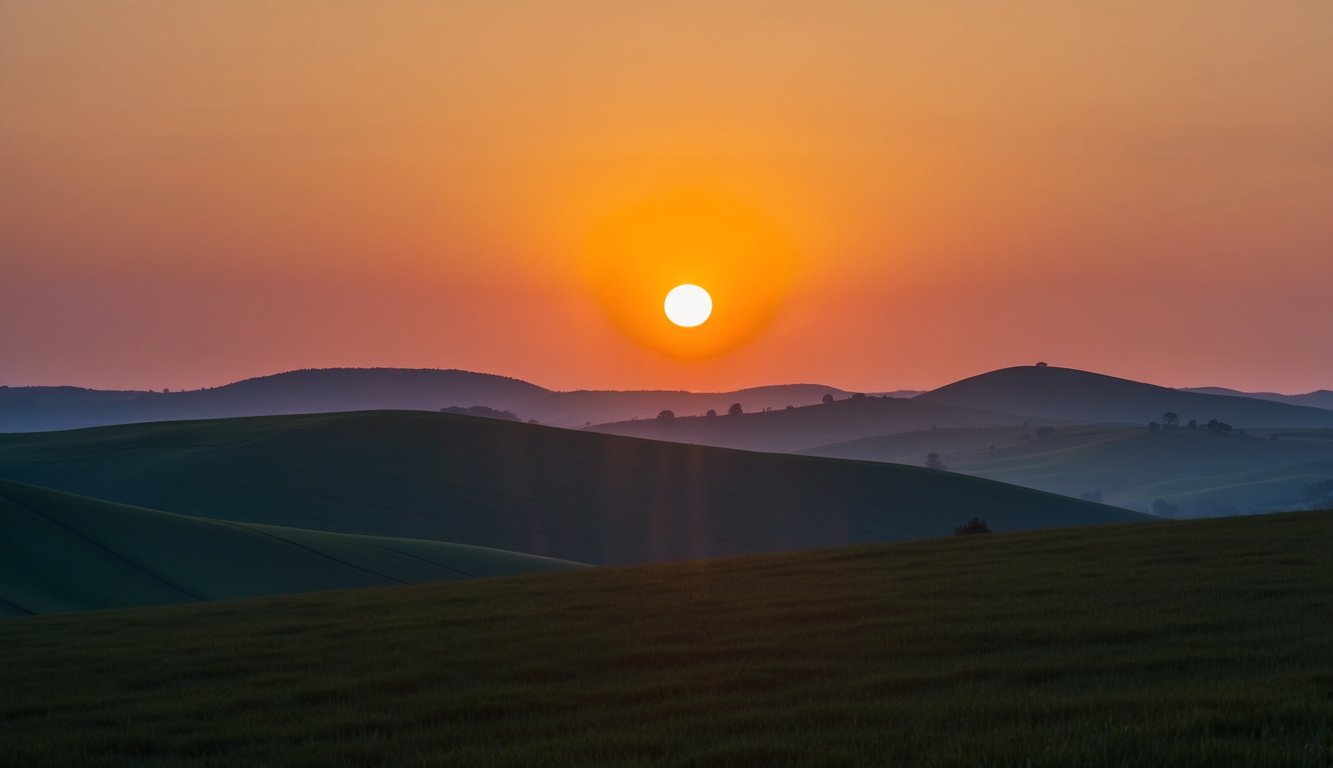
61,552
1202,643
560,493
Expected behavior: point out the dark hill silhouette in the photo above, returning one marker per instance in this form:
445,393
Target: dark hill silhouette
1320,398
815,425
25,409
1074,395
332,390
569,494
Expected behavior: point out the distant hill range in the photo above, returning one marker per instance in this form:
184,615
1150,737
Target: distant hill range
813,425
1080,396
1320,398
330,390
1008,396
568,494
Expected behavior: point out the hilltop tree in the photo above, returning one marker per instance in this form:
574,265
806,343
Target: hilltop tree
1219,427
1153,426
828,397
735,410
1193,424
1171,420
711,413
934,461
666,415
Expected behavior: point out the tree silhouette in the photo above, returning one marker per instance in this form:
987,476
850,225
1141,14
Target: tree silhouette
711,413
933,461
828,397
973,526
735,410
666,415
1171,420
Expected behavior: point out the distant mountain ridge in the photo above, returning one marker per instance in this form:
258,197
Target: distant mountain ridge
1320,398
1052,394
332,390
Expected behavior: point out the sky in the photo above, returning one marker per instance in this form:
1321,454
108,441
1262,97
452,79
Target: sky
878,195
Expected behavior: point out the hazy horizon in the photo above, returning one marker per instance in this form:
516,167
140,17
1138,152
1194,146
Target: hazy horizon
594,387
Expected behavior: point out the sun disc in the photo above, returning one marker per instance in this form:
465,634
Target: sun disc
688,305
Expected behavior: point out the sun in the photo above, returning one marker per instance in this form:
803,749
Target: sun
688,305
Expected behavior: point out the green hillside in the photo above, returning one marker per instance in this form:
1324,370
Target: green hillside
61,552
568,494
1201,643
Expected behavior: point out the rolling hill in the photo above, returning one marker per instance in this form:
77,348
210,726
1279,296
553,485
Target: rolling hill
1199,472
331,390
568,494
799,428
1201,643
1083,397
62,552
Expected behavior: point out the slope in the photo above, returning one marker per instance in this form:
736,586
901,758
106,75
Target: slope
1199,472
798,428
62,552
1073,395
562,493
1202,643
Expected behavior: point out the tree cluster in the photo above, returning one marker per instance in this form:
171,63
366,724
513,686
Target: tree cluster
973,526
1171,422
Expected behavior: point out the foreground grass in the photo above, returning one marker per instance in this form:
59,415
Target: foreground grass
1203,643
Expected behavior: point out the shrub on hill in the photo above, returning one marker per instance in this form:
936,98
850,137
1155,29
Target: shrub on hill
482,411
975,525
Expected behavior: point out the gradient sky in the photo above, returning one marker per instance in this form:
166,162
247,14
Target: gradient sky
879,194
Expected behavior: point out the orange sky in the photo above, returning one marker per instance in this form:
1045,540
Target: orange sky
879,194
